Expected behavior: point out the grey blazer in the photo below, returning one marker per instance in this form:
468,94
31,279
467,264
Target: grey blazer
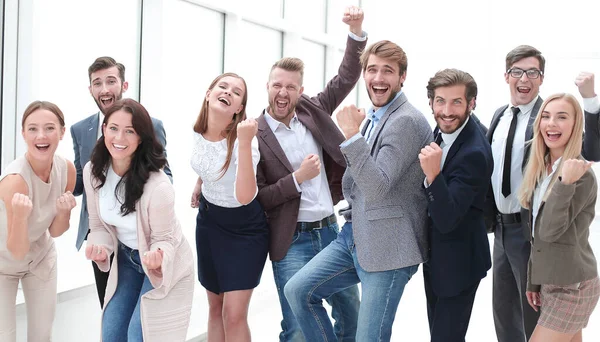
561,253
383,185
84,134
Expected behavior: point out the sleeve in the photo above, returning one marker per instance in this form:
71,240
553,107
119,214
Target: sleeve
99,234
565,203
163,234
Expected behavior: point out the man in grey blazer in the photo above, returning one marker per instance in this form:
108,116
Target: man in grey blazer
107,85
510,129
383,243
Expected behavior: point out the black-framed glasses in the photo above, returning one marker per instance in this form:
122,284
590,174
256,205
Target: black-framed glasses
518,73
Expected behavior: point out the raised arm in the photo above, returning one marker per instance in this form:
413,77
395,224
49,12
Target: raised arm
15,193
245,176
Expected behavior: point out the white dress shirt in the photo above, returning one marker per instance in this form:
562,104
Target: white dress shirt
297,142
510,204
110,210
540,191
100,121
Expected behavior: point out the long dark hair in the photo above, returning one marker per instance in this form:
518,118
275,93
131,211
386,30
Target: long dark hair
148,157
230,131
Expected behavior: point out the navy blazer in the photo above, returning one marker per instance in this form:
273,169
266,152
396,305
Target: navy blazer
84,134
459,248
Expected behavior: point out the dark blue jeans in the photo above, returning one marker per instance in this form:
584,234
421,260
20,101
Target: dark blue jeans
345,304
121,320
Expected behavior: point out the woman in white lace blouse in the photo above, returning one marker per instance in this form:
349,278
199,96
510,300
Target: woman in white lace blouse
231,230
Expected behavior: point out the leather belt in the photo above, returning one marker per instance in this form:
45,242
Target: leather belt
508,218
309,226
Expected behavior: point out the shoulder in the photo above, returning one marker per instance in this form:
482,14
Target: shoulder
156,122
81,124
11,184
158,187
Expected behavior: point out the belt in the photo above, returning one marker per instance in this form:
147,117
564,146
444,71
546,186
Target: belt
309,226
508,218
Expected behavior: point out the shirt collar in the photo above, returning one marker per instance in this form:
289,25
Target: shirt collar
274,124
375,115
526,108
451,137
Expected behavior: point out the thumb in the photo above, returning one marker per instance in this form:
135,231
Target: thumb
588,165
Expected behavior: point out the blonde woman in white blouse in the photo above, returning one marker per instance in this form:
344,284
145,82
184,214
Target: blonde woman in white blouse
232,235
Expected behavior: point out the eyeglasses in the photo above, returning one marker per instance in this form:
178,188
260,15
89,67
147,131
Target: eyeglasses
531,73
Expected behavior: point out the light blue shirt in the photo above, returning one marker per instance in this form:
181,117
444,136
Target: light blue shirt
375,116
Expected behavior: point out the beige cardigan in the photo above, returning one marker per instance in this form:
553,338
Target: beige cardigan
165,310
561,253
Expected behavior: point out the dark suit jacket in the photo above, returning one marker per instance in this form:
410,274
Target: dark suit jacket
590,149
84,134
277,192
460,252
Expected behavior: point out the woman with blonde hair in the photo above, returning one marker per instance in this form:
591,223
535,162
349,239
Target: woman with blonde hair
232,236
35,207
560,190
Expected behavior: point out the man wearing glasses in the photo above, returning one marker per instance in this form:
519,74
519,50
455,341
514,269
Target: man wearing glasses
510,128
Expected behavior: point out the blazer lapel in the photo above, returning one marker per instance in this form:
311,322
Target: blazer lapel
270,140
464,134
391,109
534,114
495,120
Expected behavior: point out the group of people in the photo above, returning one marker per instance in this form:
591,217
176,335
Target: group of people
268,187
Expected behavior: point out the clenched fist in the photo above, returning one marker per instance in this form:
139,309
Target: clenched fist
96,253
21,205
573,169
349,119
431,160
353,17
153,259
585,82
246,130
65,203
309,169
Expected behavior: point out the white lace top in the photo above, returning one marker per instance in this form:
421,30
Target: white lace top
207,159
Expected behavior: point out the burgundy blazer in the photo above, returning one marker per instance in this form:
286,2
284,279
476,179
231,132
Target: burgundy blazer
277,192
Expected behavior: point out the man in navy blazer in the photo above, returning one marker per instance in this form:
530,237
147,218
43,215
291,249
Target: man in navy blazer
457,167
107,85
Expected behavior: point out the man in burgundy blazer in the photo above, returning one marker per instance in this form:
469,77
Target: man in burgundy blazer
300,171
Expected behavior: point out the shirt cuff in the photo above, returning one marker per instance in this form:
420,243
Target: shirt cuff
351,140
425,183
591,105
357,38
296,182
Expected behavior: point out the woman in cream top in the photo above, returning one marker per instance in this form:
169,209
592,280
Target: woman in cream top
35,207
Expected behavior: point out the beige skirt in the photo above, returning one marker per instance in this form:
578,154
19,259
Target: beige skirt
567,309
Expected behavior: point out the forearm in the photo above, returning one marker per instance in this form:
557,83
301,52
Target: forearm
60,224
245,186
17,241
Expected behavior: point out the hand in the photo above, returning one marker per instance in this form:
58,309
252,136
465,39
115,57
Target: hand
353,17
96,253
196,194
573,169
309,169
153,259
533,298
431,161
65,203
349,119
246,130
21,205
585,82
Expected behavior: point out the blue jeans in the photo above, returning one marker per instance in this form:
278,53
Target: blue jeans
121,319
334,269
345,304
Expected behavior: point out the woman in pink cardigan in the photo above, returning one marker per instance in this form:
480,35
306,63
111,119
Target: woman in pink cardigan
135,233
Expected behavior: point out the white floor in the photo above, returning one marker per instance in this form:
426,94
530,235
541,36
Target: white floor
78,313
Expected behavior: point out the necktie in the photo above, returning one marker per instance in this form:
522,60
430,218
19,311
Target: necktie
438,139
508,153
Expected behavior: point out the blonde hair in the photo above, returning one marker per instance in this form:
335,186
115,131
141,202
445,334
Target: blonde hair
539,153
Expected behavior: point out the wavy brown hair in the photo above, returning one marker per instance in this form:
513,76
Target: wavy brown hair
230,132
148,156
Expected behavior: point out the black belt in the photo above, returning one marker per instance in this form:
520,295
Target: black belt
309,226
508,218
